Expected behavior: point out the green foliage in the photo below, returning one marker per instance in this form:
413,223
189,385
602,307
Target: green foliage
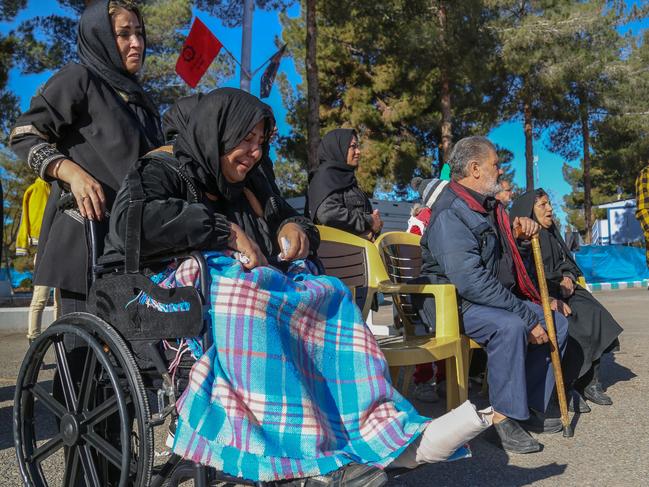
16,177
291,177
8,101
10,8
382,66
605,76
167,24
379,72
8,45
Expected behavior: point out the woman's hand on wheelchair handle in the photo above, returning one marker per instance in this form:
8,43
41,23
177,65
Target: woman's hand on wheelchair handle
87,191
240,242
298,242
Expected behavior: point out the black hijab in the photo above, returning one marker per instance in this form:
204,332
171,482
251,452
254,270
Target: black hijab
333,174
557,257
215,126
97,50
175,119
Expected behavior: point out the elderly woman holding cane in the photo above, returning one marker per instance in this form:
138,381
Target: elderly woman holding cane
591,328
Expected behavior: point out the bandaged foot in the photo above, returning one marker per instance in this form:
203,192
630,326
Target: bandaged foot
444,435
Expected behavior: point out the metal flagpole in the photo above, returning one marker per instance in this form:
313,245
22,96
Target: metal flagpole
246,43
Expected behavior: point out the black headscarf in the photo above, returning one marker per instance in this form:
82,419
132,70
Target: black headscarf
175,119
556,254
97,50
217,125
333,174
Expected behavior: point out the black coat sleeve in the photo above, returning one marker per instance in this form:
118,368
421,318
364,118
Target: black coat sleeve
277,213
333,213
51,113
170,223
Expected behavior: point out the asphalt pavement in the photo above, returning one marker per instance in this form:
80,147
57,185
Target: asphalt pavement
610,446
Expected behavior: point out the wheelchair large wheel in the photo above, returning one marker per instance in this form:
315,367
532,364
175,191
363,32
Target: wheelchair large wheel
85,419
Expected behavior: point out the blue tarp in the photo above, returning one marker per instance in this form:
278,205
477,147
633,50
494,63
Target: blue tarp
16,277
612,263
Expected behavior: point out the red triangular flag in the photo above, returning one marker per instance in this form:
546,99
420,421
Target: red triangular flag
199,50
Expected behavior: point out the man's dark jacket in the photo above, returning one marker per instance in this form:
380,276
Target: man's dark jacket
461,246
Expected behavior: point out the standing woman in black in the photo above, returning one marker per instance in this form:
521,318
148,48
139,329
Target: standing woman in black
91,121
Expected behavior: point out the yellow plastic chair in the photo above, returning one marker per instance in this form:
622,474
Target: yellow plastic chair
358,264
581,280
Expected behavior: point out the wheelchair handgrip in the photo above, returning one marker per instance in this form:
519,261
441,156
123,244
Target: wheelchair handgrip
67,201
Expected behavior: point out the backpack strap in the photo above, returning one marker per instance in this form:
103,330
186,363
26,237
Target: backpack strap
134,220
132,248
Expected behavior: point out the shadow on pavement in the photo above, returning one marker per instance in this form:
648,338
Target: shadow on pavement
46,426
7,393
612,372
489,466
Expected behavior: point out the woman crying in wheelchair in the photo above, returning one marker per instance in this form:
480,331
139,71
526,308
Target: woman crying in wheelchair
295,386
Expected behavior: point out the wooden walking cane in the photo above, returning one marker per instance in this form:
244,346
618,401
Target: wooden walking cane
552,334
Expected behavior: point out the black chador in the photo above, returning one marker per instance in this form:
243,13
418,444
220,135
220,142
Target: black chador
96,114
591,327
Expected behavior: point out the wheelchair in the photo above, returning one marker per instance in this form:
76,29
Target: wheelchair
92,414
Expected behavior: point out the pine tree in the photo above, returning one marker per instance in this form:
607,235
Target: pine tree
16,177
606,103
531,33
380,72
313,85
8,43
584,75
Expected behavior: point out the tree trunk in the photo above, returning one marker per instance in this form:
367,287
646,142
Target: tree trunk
585,136
313,96
447,116
529,150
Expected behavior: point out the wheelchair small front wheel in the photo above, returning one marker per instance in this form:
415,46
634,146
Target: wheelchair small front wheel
81,416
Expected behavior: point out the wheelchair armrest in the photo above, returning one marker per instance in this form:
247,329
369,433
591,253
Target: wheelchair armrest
114,263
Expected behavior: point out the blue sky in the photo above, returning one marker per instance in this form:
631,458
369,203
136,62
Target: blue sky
266,29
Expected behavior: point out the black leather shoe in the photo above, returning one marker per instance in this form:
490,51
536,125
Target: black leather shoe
539,423
594,393
515,439
574,398
351,475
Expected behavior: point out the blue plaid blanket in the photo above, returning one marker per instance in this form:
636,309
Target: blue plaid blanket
295,384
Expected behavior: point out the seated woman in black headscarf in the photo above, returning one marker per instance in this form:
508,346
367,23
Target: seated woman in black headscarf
294,385
334,198
175,119
592,329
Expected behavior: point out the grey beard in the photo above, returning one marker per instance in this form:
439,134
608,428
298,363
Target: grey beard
494,189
